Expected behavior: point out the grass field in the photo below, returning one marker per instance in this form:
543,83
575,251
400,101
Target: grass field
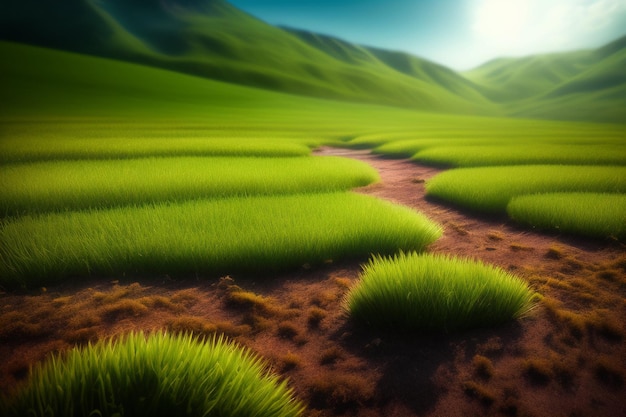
492,164
111,169
97,140
75,185
217,236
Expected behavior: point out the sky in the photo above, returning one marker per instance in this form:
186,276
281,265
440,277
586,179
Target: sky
460,34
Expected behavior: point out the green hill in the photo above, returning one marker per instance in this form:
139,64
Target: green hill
213,39
580,85
42,85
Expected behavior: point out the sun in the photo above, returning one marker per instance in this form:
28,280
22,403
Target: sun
501,21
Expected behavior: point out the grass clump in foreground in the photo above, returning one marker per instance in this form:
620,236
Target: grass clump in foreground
587,214
213,236
154,375
436,292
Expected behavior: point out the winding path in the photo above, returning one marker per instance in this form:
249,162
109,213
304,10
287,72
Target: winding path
493,239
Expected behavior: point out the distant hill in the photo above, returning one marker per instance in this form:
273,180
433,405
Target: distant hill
213,39
586,85
393,64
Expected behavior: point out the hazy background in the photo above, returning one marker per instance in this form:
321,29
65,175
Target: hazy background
458,33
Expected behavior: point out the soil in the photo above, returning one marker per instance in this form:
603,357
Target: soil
566,359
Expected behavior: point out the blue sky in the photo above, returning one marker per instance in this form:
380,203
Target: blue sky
458,33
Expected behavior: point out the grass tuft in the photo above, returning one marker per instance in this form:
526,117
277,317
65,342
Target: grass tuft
330,356
475,390
539,371
290,361
122,309
609,372
554,252
436,292
483,367
316,315
288,330
341,392
156,375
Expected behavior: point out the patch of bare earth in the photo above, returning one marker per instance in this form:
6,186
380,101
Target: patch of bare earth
567,359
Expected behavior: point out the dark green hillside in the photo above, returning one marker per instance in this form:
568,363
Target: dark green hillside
213,39
74,25
393,62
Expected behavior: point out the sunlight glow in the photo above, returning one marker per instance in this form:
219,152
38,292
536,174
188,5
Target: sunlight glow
502,21
524,27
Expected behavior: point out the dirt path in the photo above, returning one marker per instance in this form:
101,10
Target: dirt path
567,359
495,240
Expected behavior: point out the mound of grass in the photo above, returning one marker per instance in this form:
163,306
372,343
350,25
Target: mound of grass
409,147
216,236
523,154
30,149
435,292
71,185
489,189
154,375
587,214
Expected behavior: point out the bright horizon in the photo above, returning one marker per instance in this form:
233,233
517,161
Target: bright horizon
460,34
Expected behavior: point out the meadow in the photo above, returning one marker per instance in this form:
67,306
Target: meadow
112,170
83,184
488,167
219,236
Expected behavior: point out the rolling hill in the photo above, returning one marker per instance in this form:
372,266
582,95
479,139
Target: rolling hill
579,85
213,39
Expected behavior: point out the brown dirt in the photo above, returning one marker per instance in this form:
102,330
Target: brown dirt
567,359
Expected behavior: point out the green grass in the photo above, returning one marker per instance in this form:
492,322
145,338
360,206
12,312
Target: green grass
34,148
523,154
210,236
586,214
435,292
502,159
489,189
60,105
72,185
493,137
154,375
